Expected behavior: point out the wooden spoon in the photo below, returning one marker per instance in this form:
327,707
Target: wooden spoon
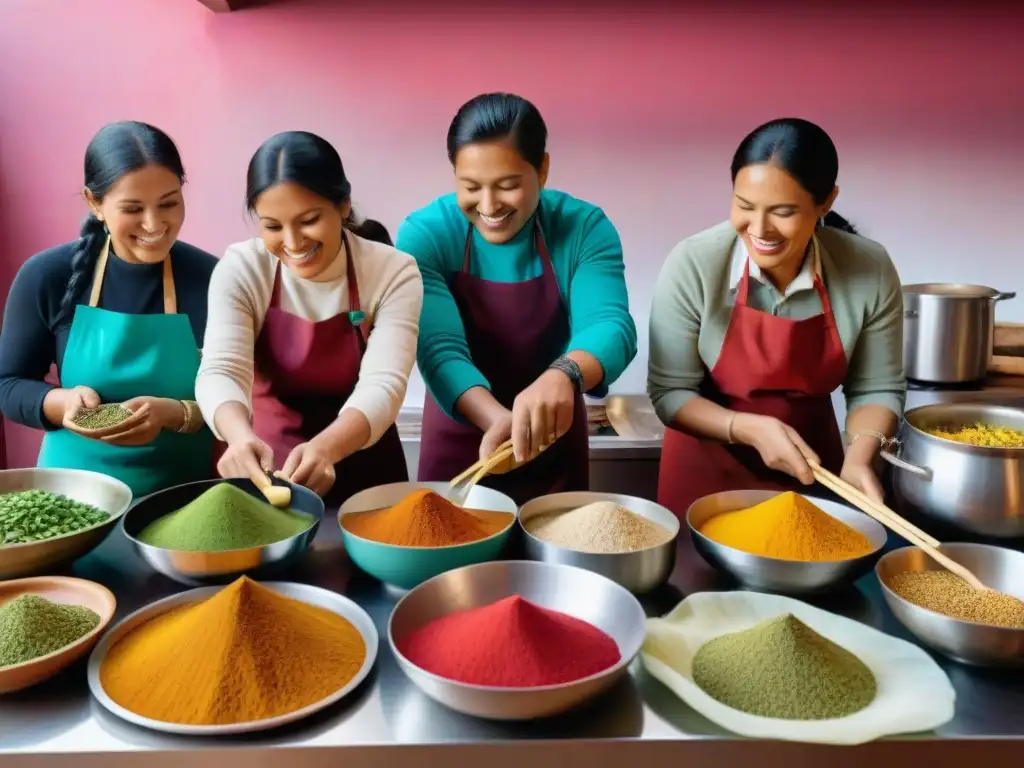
277,495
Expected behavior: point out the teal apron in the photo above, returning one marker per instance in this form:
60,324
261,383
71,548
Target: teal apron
123,356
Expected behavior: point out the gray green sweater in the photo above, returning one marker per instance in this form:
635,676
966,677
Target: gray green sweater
697,287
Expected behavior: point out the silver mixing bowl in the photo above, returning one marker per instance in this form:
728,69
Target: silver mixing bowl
208,568
772,574
639,571
964,641
98,490
574,591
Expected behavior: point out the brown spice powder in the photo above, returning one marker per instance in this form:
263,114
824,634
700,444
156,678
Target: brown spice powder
948,594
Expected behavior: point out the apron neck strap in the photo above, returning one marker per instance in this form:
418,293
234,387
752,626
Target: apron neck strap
538,243
815,254
170,296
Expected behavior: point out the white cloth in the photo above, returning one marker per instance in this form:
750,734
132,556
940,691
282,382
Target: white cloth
391,295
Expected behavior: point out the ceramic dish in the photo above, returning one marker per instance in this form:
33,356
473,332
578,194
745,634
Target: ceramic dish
405,567
321,598
67,591
914,694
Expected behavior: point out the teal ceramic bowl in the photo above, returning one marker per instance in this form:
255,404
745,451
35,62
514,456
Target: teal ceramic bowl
407,567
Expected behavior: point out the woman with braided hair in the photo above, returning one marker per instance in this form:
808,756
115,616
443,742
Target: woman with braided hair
122,313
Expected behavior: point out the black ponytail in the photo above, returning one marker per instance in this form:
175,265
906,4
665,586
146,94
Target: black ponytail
804,151
118,149
305,159
498,116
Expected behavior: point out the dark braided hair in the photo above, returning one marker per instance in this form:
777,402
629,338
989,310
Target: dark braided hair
118,149
305,159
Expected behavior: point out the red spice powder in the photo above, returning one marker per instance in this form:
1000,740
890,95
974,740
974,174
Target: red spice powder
511,644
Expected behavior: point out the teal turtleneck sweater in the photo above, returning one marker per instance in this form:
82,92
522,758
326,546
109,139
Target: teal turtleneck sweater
587,257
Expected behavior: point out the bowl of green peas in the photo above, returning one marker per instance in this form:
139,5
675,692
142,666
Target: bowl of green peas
51,517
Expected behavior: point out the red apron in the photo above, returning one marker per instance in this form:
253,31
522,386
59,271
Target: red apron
514,332
769,365
305,371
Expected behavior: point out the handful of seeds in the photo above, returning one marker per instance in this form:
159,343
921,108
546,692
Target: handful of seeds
107,415
28,516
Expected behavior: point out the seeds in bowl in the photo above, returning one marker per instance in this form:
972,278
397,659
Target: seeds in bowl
27,516
948,594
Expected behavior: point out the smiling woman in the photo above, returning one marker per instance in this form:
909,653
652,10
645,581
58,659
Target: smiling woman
313,330
122,312
757,321
525,306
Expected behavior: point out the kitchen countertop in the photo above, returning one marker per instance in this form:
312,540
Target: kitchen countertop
388,722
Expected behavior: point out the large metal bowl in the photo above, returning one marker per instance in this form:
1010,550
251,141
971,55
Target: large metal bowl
208,568
574,591
405,567
100,491
639,571
974,488
772,574
964,641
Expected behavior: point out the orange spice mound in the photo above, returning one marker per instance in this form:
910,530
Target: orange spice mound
426,519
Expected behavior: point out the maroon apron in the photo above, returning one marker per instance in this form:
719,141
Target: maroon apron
305,371
514,332
769,365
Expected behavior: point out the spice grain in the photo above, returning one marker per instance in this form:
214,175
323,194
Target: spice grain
245,654
106,415
426,519
948,594
221,519
782,668
32,626
787,527
603,527
27,516
511,643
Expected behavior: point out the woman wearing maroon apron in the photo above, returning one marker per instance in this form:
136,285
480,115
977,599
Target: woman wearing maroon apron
525,306
313,331
757,321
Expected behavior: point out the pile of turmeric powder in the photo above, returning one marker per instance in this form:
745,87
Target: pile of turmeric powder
245,654
788,527
426,519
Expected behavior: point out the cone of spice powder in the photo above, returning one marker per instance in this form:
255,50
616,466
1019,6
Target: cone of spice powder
31,626
512,643
426,519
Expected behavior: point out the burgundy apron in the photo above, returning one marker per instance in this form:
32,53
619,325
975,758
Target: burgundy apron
514,332
772,366
305,371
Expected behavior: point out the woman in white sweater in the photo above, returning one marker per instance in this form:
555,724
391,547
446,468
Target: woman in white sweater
312,331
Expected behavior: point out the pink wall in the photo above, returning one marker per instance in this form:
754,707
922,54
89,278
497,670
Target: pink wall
644,110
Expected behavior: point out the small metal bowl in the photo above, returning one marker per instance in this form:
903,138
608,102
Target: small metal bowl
639,571
772,574
103,492
964,641
573,591
210,568
405,567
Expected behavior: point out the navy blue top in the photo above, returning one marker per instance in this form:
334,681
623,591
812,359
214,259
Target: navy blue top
34,335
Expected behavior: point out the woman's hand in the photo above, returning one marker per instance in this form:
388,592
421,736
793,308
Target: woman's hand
74,400
151,416
780,446
496,434
541,414
308,464
862,477
246,457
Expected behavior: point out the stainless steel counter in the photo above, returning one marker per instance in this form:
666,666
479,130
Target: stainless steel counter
389,722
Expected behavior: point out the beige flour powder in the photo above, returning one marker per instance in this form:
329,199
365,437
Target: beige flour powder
603,527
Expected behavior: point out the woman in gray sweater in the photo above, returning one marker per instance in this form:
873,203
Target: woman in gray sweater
755,323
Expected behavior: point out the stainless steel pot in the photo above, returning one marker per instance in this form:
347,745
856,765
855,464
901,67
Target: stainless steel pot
948,331
978,489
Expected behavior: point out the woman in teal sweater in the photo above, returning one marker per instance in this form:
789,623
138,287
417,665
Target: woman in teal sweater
525,306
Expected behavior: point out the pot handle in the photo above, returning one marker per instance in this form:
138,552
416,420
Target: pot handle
1004,295
923,472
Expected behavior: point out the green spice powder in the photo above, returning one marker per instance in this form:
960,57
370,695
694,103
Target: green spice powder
223,518
782,668
31,626
104,416
36,515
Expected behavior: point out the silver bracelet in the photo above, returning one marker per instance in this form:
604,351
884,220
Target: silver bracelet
570,368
